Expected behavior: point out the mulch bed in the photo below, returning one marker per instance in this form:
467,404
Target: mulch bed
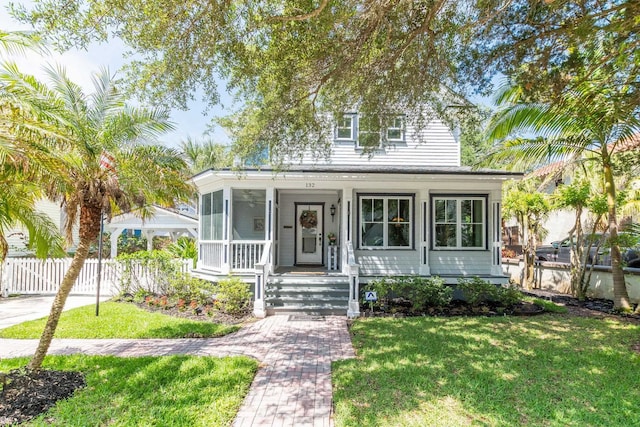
27,394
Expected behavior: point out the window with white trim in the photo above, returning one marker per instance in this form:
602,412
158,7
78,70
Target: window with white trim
385,221
459,222
368,132
395,129
345,128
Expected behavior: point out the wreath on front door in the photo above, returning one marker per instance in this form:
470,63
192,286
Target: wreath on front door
309,219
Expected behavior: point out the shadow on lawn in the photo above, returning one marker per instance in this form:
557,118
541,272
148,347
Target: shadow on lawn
494,371
179,390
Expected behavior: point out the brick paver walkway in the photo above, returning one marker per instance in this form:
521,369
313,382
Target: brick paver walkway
292,386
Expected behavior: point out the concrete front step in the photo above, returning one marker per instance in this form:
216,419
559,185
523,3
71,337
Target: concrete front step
317,295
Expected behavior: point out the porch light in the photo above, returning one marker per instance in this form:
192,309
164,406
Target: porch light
332,209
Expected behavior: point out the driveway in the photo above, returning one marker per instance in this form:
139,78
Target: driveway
14,310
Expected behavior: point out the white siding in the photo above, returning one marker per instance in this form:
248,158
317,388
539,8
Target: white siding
382,263
17,237
460,262
432,146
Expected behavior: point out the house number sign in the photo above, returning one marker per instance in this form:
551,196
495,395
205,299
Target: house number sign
310,184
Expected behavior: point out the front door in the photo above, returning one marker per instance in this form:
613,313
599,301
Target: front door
309,225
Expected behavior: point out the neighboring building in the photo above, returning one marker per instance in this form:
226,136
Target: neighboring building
309,234
554,174
172,223
18,237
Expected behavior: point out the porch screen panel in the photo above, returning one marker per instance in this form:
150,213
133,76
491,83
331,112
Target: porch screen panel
211,213
206,218
217,208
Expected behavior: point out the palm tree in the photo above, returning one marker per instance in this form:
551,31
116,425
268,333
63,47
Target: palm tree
108,162
204,155
588,120
22,162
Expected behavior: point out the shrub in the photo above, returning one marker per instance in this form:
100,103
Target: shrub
509,296
233,296
148,271
186,287
420,291
434,293
477,291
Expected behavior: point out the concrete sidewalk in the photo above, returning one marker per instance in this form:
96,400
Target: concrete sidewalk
15,310
293,385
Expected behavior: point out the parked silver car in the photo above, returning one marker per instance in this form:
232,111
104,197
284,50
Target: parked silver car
560,251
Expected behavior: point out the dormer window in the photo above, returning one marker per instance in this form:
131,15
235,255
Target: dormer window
395,129
345,128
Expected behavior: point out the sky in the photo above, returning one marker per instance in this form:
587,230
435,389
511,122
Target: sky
80,65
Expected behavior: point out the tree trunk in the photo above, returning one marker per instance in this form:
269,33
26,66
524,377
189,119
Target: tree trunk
90,216
620,295
58,305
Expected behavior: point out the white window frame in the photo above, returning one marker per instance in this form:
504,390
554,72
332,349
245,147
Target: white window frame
394,126
458,221
340,125
385,220
360,132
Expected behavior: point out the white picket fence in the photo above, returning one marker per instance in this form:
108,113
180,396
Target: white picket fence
36,276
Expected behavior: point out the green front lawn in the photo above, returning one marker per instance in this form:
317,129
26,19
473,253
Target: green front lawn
118,320
500,371
147,391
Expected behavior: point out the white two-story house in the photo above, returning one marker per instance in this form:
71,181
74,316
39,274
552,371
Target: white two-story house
309,236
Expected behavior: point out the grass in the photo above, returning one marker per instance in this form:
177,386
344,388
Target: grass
118,320
548,370
147,391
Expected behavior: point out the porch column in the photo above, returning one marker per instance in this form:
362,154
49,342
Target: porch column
115,233
496,233
270,226
422,210
227,231
148,234
347,210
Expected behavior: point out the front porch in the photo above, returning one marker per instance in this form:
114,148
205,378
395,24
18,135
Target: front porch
292,229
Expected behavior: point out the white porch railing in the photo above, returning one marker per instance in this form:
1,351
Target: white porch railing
245,254
36,276
262,270
211,254
242,257
353,270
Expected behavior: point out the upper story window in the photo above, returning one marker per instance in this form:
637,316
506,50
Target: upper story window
459,222
370,131
395,129
345,128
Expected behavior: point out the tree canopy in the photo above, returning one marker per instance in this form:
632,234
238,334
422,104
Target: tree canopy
291,62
